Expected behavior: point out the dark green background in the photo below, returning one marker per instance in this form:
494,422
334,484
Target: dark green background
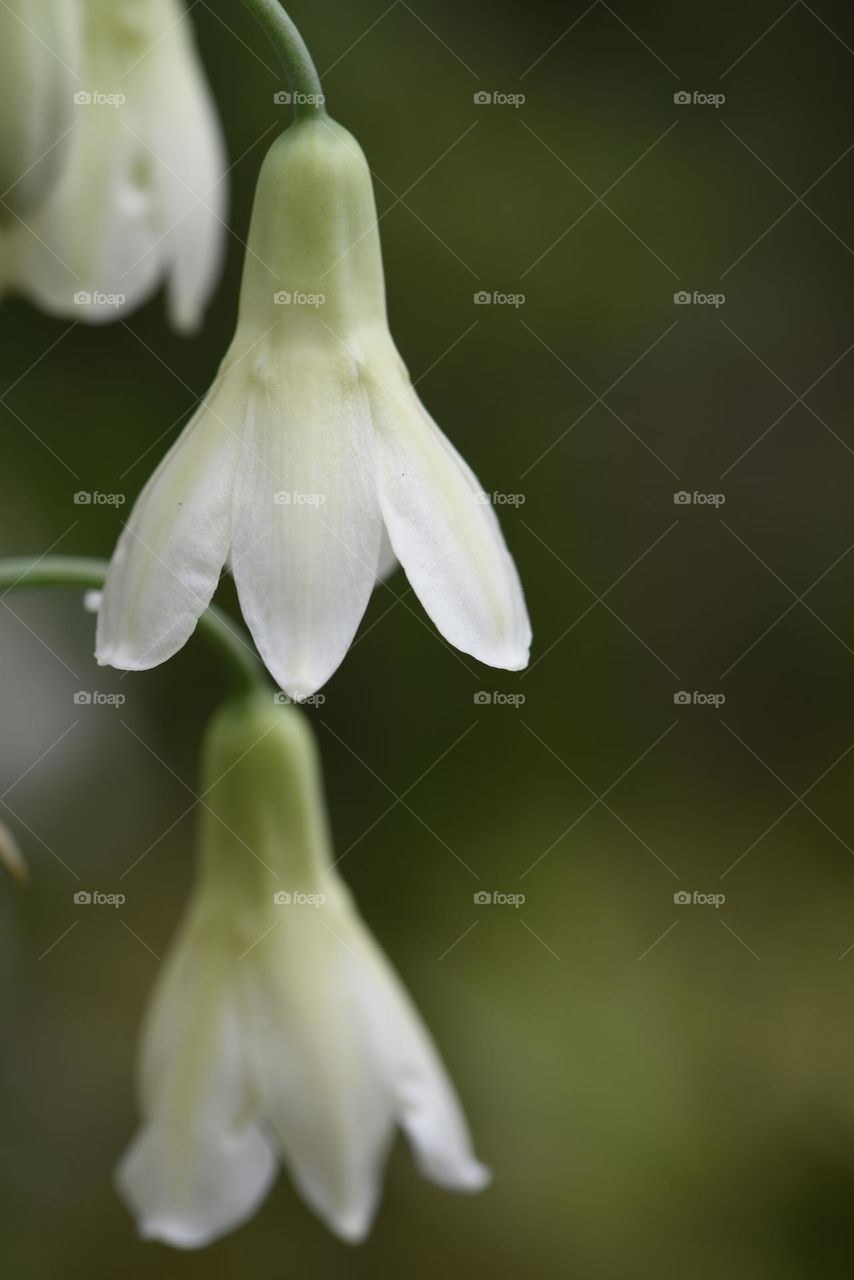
661,1089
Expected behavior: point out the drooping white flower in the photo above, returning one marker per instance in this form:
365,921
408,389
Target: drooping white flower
311,458
39,55
278,1031
140,200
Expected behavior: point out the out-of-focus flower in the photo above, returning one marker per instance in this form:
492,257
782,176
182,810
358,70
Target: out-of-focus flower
11,857
278,1030
39,56
140,199
310,447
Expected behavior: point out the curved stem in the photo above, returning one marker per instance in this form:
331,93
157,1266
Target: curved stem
306,92
71,571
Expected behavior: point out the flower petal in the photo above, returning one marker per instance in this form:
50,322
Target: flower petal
306,534
426,1105
169,558
200,1165
320,1085
190,179
444,531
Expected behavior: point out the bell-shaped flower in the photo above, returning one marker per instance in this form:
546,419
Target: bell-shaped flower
311,459
279,1032
140,201
39,54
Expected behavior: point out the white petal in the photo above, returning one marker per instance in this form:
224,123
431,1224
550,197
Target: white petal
426,1105
319,1084
200,1165
169,558
306,526
443,531
188,170
84,252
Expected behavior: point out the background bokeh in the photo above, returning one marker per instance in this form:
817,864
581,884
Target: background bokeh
661,1088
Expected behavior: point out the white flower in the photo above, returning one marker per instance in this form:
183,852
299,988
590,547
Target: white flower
140,200
39,51
278,1031
311,458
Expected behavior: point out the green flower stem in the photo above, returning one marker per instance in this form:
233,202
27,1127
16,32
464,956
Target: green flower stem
293,54
69,571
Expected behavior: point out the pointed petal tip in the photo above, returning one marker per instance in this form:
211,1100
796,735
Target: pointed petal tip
113,656
352,1228
467,1176
177,1234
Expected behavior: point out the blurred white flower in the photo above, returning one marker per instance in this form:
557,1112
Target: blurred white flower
140,199
311,459
279,1031
39,56
11,857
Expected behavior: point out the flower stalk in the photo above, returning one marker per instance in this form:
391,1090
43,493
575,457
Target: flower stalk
306,91
21,573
